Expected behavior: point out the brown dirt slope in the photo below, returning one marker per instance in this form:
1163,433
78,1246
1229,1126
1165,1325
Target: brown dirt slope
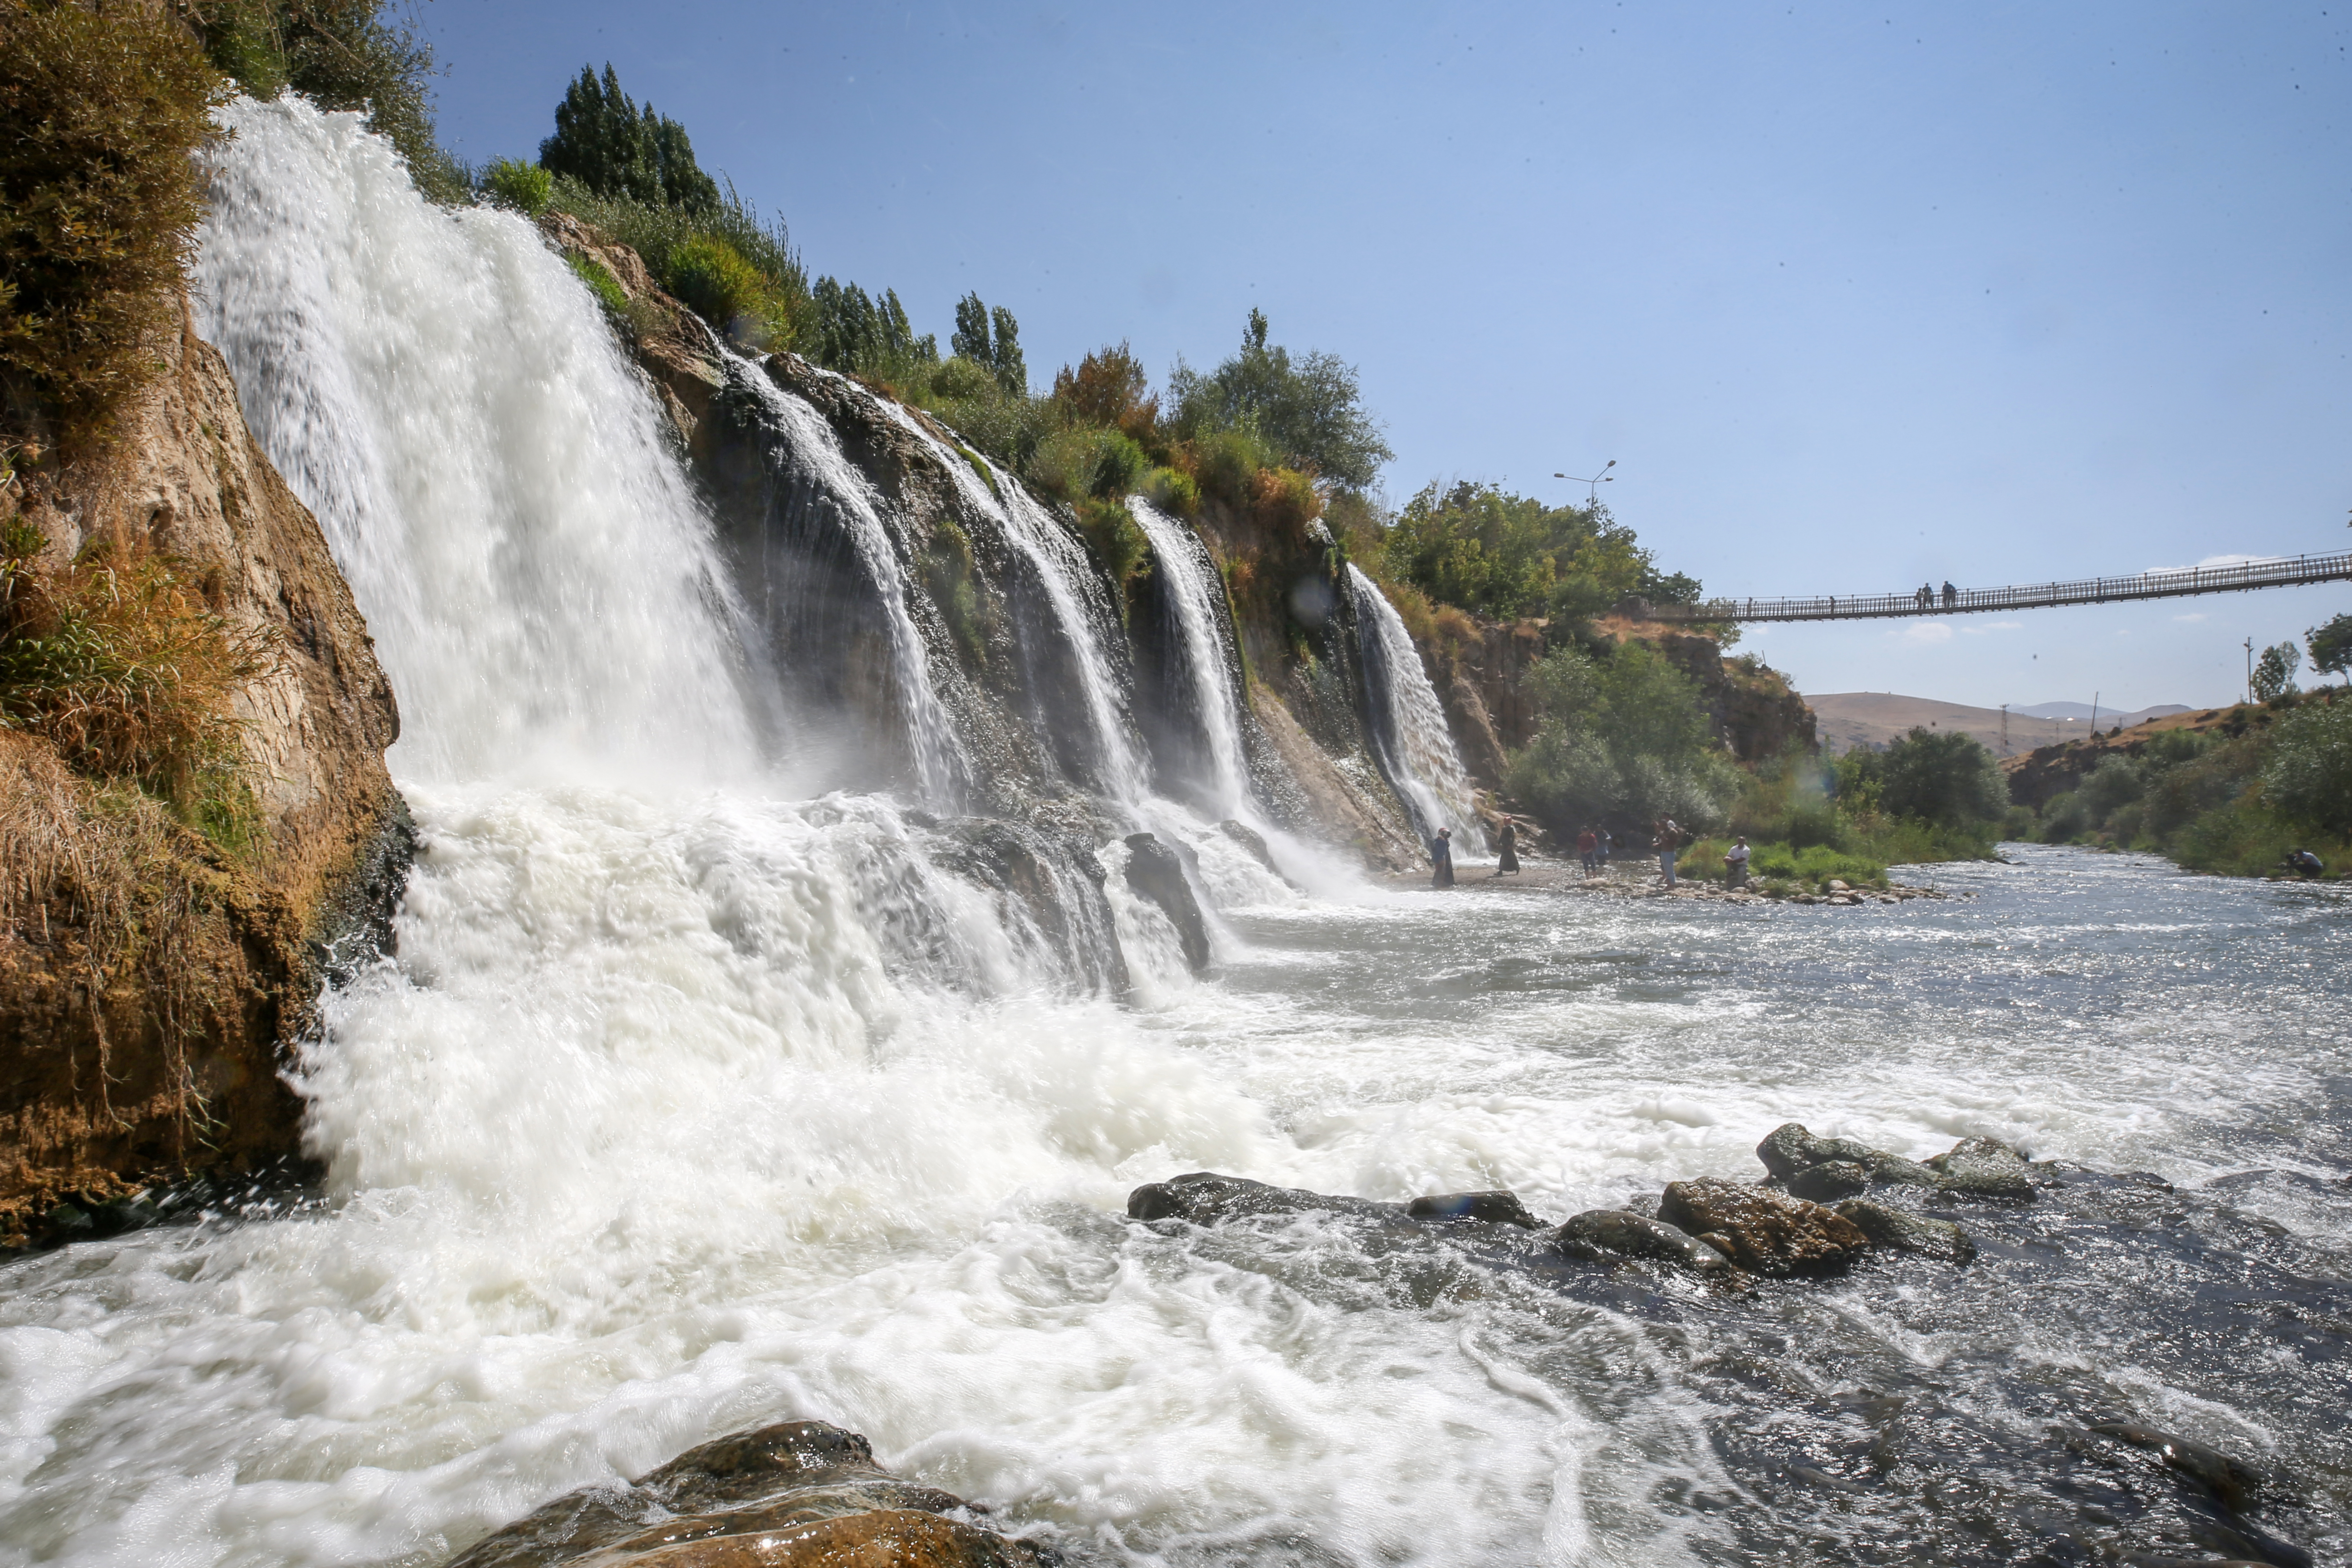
1850,719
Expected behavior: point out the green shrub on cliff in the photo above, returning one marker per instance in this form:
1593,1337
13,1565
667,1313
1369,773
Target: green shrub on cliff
1308,412
98,203
1071,464
525,187
1506,555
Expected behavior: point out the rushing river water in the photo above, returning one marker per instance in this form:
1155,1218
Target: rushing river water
561,1244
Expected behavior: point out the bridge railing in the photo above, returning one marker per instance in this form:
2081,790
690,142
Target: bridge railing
2278,572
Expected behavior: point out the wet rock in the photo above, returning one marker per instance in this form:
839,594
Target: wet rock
2232,1483
1791,1147
1495,1209
1603,1234
794,1495
1249,838
1153,871
1830,1181
1770,1233
1984,1168
1909,1232
1205,1197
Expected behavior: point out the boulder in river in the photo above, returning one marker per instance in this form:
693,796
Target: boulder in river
1790,1149
1599,1234
1984,1168
1204,1197
1767,1232
1154,871
1909,1232
2233,1482
798,1494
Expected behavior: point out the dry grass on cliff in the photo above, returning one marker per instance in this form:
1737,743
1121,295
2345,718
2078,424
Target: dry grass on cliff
121,667
98,884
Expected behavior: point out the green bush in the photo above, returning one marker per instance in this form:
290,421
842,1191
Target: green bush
1111,533
1072,465
98,200
1813,866
1506,555
2308,778
712,278
661,233
1173,490
2115,783
1943,777
525,187
1621,736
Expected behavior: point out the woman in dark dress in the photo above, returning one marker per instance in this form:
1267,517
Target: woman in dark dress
1440,858
1506,847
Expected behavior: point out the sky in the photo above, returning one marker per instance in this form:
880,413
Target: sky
1855,296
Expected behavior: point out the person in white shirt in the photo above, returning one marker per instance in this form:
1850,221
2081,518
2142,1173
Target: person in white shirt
1734,864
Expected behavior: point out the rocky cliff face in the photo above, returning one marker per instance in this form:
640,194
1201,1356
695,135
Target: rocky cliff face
152,980
978,604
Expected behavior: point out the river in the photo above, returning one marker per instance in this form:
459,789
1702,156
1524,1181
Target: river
645,1178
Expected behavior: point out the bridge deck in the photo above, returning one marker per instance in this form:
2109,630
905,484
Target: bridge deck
2279,572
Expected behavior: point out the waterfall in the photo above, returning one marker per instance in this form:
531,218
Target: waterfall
1409,733
819,502
1084,623
1211,693
543,590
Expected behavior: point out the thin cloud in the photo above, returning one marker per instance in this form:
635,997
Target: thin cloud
1927,634
1993,626
2192,617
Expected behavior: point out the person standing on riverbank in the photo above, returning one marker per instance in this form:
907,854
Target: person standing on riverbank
1735,865
1587,850
1667,841
1440,858
1506,847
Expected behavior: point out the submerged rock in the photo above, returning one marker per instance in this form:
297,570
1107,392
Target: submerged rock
1154,871
1909,1232
1495,1209
1205,1197
1766,1232
794,1495
2231,1481
1599,1234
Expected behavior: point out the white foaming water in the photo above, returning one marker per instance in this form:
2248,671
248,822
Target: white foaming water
1409,729
1199,602
496,488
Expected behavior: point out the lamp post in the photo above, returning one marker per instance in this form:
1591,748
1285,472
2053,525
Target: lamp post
1592,486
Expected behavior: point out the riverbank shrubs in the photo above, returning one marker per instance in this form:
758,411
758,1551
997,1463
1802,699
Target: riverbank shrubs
99,205
2234,799
1622,736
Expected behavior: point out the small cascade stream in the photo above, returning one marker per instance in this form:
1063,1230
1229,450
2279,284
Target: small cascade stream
1410,736
1212,693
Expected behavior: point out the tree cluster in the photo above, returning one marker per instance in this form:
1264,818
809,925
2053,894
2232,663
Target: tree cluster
614,147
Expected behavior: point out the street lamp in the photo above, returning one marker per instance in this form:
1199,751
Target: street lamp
1592,486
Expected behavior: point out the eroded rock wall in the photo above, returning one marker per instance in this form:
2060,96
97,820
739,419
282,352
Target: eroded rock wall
152,981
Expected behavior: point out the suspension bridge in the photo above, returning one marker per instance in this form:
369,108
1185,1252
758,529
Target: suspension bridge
2280,571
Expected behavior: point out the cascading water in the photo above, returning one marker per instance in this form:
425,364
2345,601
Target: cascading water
449,402
1408,728
820,501
1211,697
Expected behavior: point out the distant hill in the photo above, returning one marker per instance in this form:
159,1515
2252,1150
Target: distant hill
2083,710
1850,719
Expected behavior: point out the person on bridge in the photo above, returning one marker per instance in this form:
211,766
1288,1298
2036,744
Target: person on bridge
1925,597
1951,594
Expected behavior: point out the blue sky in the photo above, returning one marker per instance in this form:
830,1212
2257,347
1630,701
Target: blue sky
1856,296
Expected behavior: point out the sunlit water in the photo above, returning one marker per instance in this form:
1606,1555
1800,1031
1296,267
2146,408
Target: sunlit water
553,1254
